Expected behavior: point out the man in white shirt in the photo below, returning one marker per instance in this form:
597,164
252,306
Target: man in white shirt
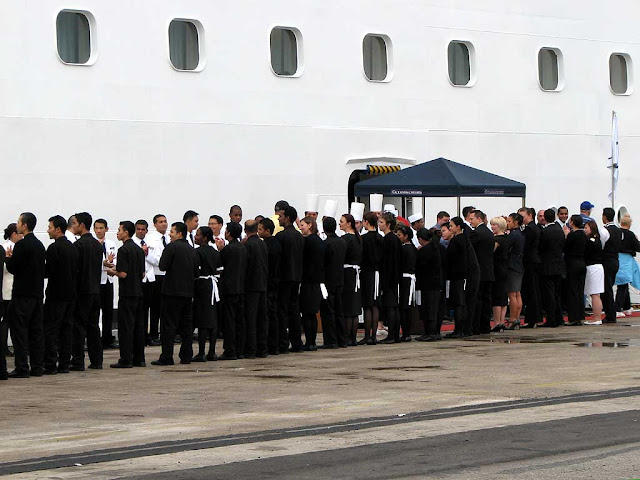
215,224
100,229
159,240
191,219
150,253
71,223
563,217
417,222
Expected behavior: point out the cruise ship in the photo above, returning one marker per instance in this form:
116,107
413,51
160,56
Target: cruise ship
130,108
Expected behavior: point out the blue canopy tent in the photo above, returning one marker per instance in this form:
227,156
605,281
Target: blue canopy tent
442,178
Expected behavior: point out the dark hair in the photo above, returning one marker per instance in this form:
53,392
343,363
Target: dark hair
436,232
281,205
390,219
268,224
446,225
371,218
352,221
516,217
217,218
29,219
576,220
84,218
207,233
442,214
251,226
10,230
234,229
549,215
405,230
609,213
128,227
234,207
563,208
480,214
142,222
259,217
189,215
595,233
311,221
101,221
58,221
180,228
424,234
291,213
329,224
467,210
457,221
158,217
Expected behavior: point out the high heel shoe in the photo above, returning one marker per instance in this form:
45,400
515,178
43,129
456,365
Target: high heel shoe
498,328
514,326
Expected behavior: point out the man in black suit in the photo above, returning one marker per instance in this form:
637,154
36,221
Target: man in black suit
232,288
265,231
86,323
552,268
531,277
610,262
255,309
483,244
179,261
331,307
27,263
292,243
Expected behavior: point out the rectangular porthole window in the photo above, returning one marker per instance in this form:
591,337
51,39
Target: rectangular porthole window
285,44
73,31
184,45
376,55
620,74
461,58
550,75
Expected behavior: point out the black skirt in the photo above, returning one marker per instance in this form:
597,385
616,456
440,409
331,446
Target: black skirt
310,297
405,291
368,289
389,297
351,299
205,315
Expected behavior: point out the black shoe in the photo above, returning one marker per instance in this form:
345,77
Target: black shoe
454,335
406,339
63,369
274,352
227,357
388,341
514,326
331,346
97,366
310,348
76,368
365,341
498,328
604,321
162,362
296,350
240,357
261,355
432,338
120,365
212,357
343,345
548,325
50,371
577,323
529,325
249,357
36,373
155,342
110,346
284,351
199,358
15,374
178,339
139,364
185,362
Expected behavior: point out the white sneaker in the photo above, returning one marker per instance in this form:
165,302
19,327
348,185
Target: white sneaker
597,322
620,315
629,312
380,332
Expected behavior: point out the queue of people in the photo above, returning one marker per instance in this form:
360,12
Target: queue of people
262,286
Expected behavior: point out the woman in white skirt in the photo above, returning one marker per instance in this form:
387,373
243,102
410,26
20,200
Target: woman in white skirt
594,282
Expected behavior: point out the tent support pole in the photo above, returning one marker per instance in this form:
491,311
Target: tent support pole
524,202
458,206
424,208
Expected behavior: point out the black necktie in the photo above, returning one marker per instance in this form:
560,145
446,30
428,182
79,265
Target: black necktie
191,235
142,243
164,241
104,249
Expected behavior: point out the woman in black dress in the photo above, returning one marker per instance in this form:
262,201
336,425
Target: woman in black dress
457,270
574,251
370,277
515,269
390,275
205,311
428,281
408,281
351,298
312,277
499,289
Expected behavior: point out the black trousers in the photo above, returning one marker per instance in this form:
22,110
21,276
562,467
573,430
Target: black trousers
4,334
86,325
235,328
131,330
429,304
482,317
471,289
290,328
176,317
576,273
106,305
58,333
273,321
531,294
623,300
610,266
457,300
27,333
256,323
147,302
156,307
331,314
551,291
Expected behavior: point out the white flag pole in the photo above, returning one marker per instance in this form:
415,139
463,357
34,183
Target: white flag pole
614,158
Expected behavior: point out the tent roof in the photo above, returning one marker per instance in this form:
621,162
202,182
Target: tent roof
441,178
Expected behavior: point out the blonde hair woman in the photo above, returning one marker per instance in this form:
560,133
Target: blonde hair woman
500,256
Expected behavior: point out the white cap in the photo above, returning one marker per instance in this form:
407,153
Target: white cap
395,212
389,207
415,217
375,202
312,202
357,211
330,209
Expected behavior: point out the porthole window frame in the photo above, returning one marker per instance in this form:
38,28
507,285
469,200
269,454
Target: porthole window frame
560,62
473,68
202,57
389,48
629,62
299,51
93,37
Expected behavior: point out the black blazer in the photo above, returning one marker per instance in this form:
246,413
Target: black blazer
208,260
629,242
551,246
313,259
614,244
292,243
371,251
234,260
130,260
257,265
530,255
574,248
180,262
61,270
89,264
483,244
275,257
27,266
428,267
457,264
334,253
515,246
390,272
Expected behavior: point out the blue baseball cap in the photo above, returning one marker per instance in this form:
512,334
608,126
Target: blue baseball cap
586,205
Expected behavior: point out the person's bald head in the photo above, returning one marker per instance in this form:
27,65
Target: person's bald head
251,227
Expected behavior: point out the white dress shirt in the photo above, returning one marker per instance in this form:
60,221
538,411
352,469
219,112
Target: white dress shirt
191,237
7,278
155,242
70,236
148,259
110,247
221,237
414,239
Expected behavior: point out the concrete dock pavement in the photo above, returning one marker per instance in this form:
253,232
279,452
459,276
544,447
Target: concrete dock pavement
224,415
